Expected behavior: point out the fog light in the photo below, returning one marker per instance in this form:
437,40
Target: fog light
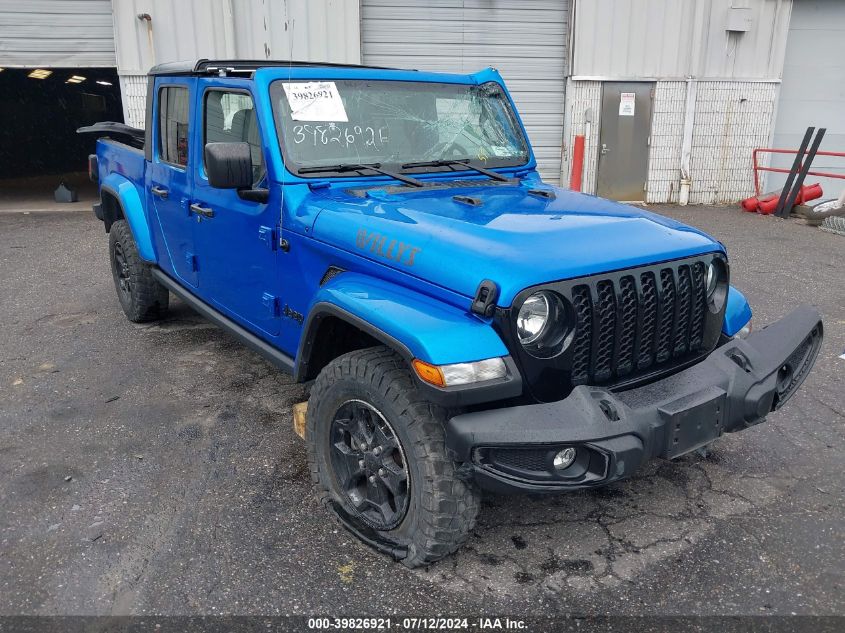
564,458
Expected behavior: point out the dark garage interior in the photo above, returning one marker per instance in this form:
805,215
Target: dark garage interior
39,147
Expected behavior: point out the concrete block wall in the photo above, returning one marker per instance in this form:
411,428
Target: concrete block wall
667,130
731,119
133,92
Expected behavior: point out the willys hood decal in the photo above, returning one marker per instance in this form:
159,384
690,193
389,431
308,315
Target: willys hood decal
513,237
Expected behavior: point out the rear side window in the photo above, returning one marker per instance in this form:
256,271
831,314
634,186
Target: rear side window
230,118
173,125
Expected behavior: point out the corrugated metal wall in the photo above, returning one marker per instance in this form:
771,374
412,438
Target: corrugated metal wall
56,33
312,30
316,30
526,40
630,39
813,89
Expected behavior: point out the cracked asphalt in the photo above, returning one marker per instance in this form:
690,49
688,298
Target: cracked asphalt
154,470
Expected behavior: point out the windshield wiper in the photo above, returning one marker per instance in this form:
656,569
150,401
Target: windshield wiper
463,163
360,167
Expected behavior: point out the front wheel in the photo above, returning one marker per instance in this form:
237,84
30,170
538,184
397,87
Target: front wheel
378,459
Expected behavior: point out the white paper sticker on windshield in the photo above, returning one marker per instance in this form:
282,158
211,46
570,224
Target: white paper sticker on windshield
315,101
502,151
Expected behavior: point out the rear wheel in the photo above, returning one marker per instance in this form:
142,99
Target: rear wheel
141,296
378,459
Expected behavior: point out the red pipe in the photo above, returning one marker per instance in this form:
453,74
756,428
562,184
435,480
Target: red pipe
577,163
768,150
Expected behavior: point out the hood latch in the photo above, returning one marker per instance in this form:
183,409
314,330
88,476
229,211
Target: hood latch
486,295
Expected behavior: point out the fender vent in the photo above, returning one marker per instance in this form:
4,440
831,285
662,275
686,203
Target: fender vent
331,273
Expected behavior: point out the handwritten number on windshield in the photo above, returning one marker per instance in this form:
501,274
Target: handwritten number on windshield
345,136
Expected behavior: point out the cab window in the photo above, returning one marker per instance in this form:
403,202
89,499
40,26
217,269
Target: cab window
230,118
173,125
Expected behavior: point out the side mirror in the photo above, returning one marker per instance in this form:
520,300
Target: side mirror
228,165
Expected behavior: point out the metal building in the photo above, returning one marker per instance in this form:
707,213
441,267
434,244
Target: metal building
526,40
55,33
676,95
74,62
315,30
672,95
813,88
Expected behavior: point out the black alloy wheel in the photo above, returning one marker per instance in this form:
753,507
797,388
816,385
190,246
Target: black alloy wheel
369,464
141,297
121,265
378,459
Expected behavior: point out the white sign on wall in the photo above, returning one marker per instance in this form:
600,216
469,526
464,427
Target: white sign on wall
627,103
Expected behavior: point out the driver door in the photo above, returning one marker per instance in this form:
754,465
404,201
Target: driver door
236,238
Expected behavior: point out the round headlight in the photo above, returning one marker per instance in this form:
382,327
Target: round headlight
716,285
711,280
542,324
532,318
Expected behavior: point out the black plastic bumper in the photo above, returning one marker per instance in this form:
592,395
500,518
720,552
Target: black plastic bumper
735,387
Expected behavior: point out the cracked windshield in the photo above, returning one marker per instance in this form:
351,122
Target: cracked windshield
333,126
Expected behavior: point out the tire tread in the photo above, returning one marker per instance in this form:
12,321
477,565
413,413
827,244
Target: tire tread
450,505
150,299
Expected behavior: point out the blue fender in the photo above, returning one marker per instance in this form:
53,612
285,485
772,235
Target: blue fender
423,327
737,313
133,210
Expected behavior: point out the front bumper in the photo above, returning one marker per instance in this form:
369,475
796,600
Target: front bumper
735,387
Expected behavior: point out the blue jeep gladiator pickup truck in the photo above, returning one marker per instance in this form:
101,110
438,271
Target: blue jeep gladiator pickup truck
384,236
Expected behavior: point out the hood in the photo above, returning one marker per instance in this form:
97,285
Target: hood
512,237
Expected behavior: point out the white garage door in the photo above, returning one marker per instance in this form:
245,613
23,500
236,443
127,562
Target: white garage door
56,33
526,40
813,89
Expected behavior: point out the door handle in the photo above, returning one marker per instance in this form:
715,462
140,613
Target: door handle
604,149
201,210
161,192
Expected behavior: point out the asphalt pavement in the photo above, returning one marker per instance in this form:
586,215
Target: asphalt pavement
153,469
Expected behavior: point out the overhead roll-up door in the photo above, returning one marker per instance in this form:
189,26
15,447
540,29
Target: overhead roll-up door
56,33
526,40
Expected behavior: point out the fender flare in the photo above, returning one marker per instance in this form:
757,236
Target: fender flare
737,312
415,325
126,194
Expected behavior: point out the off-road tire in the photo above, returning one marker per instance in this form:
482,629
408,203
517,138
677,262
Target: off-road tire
143,298
442,507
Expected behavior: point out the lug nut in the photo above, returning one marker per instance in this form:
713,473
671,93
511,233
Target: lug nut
381,472
372,479
361,463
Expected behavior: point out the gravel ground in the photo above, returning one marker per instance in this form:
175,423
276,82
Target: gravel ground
153,470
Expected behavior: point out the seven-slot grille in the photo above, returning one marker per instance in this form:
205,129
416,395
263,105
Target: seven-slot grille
627,325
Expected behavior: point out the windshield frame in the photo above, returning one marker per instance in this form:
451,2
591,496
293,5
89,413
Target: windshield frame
276,91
